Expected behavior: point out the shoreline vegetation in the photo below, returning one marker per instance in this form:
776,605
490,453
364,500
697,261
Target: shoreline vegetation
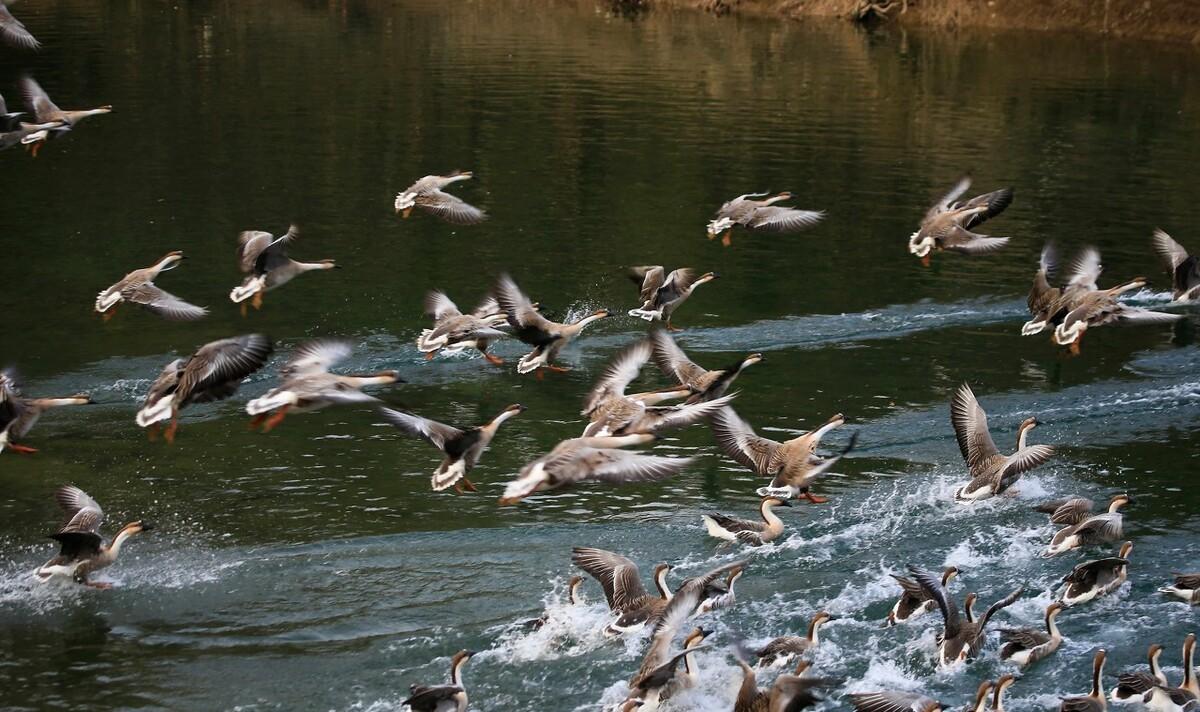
1164,20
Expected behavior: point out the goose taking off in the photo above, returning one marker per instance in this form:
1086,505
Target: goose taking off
1183,268
992,473
1186,588
748,532
761,216
1094,700
546,337
45,111
1092,530
659,677
442,698
462,446
623,589
13,31
1132,685
782,650
427,194
19,414
454,331
263,258
1095,579
1026,646
704,385
83,551
947,224
1045,301
915,601
138,287
960,639
663,293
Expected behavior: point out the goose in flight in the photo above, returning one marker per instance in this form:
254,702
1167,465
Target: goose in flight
429,195
761,216
947,224
663,293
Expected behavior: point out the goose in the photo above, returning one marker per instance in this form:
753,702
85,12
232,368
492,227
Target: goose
998,691
8,119
592,459
663,293
782,650
947,224
1069,510
454,331
960,640
915,601
1095,579
23,134
793,464
761,216
1026,646
19,414
659,677
1186,587
547,337
902,701
1132,685
308,385
992,473
138,287
797,691
721,600
573,599
623,588
1097,529
750,533
212,373
1045,300
263,258
83,551
1093,701
442,698
703,384
1163,698
462,446
13,31
45,111
1183,268
427,194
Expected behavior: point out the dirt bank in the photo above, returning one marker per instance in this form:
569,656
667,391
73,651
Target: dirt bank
1173,20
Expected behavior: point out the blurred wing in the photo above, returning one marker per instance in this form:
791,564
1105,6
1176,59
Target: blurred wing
1102,526
83,514
910,587
1138,315
617,575
773,218
224,361
671,359
520,310
941,205
38,101
317,357
431,431
621,370
621,467
1086,269
1171,252
164,303
971,427
649,278
889,701
738,440
451,208
488,307
995,201
439,306
960,239
685,415
251,244
932,585
13,31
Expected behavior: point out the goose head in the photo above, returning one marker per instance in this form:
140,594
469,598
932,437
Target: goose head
170,260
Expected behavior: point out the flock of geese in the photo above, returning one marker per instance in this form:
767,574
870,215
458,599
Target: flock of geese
617,420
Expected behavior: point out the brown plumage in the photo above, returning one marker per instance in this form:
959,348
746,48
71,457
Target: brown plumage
18,414
83,551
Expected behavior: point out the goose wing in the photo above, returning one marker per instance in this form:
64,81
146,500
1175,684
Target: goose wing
995,202
932,585
218,364
960,239
1172,253
164,303
1138,315
892,701
1069,511
1102,527
998,605
681,416
675,286
738,440
620,371
673,362
487,307
13,31
971,427
617,575
38,101
910,587
439,306
1086,269
251,244
317,356
431,697
1023,461
1025,638
83,514
944,203
648,278
621,467
1080,704
431,431
1191,581
528,325
792,693
450,208
773,218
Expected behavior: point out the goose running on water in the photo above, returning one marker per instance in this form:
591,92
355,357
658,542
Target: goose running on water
1095,579
782,650
1132,685
454,331
83,551
19,414
748,532
663,293
1026,646
1186,588
1092,530
546,337
915,601
1093,701
960,639
462,446
1183,268
263,258
992,473
760,216
947,224
1045,301
428,195
138,287
704,385
442,698
623,589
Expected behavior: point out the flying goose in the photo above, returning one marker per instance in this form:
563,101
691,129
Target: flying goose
83,551
1186,587
960,639
1097,529
1132,685
623,588
307,384
45,111
998,691
903,701
748,532
1164,698
1093,701
427,194
704,385
454,331
1045,301
1095,579
782,650
1183,268
138,287
23,134
761,216
659,677
793,464
547,337
13,31
947,224
592,459
915,601
263,258
212,373
462,447
19,414
663,293
442,698
992,473
1026,646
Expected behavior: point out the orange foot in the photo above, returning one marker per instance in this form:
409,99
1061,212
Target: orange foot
468,485
494,360
557,369
243,310
429,355
1074,349
37,146
257,420
152,431
23,449
169,433
926,260
257,301
726,240
101,585
672,328
815,499
275,419
107,315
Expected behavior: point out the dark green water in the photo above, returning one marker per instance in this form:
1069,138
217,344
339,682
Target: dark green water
312,568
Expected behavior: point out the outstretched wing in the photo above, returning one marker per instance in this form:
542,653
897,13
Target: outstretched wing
892,701
431,431
773,218
317,356
738,440
13,31
672,361
1023,461
222,362
620,467
995,202
932,585
439,306
617,575
38,101
450,208
1172,253
164,303
648,278
971,427
528,325
620,371
960,239
944,202
83,514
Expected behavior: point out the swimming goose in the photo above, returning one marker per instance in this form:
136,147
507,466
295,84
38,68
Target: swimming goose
308,385
1183,268
454,331
782,650
1186,587
992,473
960,639
213,373
592,460
427,194
1093,701
998,690
704,385
263,258
1163,698
1132,685
659,677
83,551
663,293
19,414
793,464
442,698
897,701
462,446
1044,301
45,111
1095,579
1097,529
623,588
719,600
13,31
138,287
947,224
1026,646
915,601
761,216
750,533
547,337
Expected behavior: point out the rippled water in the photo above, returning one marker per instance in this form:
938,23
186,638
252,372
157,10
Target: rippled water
312,568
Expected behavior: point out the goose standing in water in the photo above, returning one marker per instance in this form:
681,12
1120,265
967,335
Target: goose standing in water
960,639
704,385
1132,685
1093,701
1095,579
898,701
592,460
19,414
462,446
547,337
1045,301
1186,588
83,551
442,698
213,373
1092,530
623,589
750,533
782,650
1163,698
263,258
663,293
13,31
427,194
45,111
454,331
761,216
793,465
915,601
1183,268
947,224
992,473
1026,646
138,287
